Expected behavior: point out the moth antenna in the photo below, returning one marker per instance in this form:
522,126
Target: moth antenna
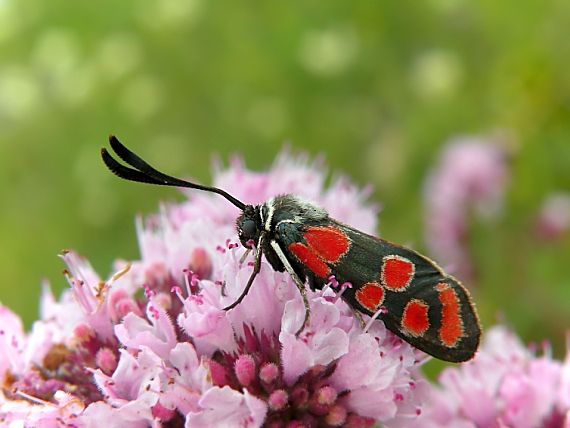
125,172
138,163
144,173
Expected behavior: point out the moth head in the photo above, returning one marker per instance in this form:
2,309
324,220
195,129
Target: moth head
249,226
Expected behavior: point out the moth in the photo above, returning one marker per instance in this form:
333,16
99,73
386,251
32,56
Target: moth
410,293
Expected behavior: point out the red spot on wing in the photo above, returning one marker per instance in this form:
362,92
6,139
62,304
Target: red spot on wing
370,296
328,242
397,272
310,259
415,321
451,328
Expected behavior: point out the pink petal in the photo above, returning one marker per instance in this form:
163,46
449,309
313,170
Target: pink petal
378,404
296,357
227,407
363,366
135,332
210,330
12,341
101,414
265,299
191,372
320,343
134,379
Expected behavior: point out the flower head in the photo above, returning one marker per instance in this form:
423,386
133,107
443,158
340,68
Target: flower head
554,217
505,385
471,177
153,344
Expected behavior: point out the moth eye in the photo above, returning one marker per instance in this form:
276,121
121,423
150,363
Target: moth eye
249,228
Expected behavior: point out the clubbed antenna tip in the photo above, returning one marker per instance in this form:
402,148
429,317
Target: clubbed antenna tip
142,172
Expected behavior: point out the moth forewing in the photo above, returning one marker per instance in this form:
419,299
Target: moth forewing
420,303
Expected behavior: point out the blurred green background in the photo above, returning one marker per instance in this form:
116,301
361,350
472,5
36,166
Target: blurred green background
378,87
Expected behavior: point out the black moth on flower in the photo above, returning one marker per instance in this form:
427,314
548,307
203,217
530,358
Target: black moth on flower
410,293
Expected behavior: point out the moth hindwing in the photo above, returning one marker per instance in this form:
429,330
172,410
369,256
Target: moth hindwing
416,300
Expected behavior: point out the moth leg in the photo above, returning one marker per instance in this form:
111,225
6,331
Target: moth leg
256,269
298,283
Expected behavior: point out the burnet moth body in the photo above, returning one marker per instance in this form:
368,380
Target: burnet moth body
411,294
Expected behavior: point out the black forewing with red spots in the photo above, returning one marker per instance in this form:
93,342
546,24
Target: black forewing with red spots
417,300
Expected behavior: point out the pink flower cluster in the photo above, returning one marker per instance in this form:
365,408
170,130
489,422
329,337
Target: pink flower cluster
470,179
505,386
553,220
152,346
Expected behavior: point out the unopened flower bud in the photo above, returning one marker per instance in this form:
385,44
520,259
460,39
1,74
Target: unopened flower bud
83,333
269,372
336,416
106,360
326,395
278,400
245,369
